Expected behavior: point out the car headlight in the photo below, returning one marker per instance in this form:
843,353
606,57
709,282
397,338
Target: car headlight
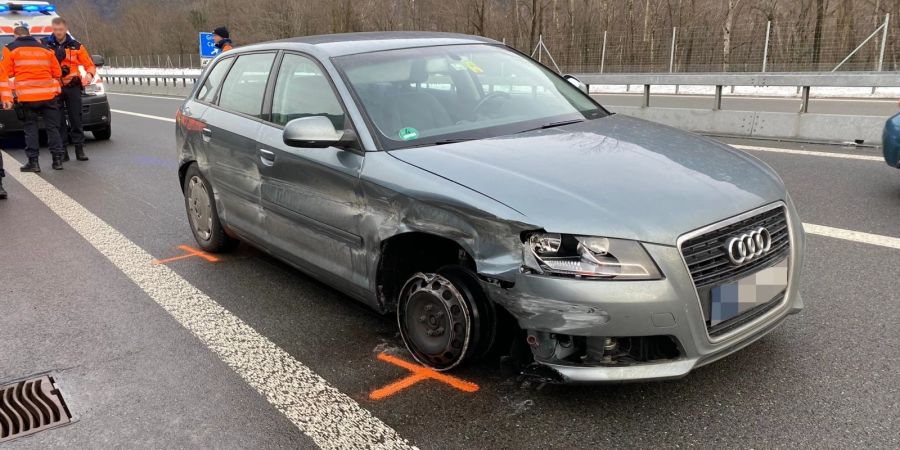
95,89
588,257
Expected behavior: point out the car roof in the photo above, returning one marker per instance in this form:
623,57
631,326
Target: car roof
331,45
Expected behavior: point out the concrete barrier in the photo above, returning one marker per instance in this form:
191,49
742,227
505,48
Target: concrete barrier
777,125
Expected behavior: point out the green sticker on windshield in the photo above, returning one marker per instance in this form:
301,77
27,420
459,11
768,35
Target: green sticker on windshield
409,133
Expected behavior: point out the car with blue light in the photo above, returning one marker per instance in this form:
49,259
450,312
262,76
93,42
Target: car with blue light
37,17
490,205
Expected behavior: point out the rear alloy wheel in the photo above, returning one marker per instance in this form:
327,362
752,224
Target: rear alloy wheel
443,318
202,213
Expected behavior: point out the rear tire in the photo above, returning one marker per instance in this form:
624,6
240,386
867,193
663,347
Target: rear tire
203,216
445,319
102,134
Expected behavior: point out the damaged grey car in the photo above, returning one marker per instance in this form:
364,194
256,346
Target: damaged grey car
492,206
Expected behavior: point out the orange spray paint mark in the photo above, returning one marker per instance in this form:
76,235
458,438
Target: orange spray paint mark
417,373
190,252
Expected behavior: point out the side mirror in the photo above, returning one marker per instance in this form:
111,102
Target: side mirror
316,132
577,83
98,60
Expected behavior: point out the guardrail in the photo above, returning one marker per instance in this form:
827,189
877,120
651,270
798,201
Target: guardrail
802,80
144,79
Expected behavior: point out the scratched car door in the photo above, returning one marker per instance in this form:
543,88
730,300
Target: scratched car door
231,128
311,195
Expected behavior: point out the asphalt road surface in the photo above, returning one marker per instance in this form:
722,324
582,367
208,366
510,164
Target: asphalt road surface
246,352
849,106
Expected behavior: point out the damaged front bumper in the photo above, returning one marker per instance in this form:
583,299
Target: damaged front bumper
661,322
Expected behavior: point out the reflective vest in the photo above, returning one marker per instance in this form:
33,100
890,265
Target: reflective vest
33,68
5,89
72,54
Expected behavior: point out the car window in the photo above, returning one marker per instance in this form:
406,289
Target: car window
245,86
207,92
303,90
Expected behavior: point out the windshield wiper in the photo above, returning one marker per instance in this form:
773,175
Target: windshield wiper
554,125
452,141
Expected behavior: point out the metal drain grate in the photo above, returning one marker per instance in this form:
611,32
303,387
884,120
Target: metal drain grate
29,406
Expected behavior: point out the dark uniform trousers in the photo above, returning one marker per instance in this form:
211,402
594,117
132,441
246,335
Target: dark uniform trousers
50,110
71,99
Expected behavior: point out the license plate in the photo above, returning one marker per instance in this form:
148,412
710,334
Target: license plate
733,299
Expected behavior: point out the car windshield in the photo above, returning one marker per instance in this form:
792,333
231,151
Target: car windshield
444,94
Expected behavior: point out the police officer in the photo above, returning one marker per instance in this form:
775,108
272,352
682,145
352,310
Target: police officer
36,74
71,55
222,38
6,102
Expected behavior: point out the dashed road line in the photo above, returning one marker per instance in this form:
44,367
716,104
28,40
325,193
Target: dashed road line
329,417
855,236
809,153
145,116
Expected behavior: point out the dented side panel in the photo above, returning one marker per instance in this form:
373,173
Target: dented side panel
486,229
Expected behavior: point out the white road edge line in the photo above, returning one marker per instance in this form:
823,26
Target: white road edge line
749,97
145,116
162,97
855,236
329,417
809,153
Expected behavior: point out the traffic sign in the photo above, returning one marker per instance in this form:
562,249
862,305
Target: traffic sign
208,46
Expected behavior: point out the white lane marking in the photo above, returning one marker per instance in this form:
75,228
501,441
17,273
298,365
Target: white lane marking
809,153
748,97
177,99
146,116
329,417
855,236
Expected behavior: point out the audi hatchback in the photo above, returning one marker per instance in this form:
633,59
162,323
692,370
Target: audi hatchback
489,204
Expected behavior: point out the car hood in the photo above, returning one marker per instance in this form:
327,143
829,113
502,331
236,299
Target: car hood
616,177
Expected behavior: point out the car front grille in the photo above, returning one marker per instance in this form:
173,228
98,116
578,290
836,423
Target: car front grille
708,260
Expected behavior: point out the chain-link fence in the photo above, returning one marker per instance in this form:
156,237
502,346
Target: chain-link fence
747,47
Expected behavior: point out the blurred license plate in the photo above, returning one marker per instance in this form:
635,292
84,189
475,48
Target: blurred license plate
733,299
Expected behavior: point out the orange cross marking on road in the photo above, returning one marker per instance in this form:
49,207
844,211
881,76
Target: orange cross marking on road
190,252
418,373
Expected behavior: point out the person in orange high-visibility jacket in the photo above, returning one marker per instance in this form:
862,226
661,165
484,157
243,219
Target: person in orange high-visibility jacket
73,57
6,100
35,73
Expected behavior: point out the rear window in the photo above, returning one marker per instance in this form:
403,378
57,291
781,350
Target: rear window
212,82
245,86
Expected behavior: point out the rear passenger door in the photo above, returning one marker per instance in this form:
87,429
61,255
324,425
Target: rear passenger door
311,195
232,124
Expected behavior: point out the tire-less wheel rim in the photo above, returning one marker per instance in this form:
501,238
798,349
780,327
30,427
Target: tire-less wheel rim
199,208
434,321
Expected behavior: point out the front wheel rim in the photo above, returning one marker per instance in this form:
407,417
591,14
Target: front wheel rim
435,321
199,208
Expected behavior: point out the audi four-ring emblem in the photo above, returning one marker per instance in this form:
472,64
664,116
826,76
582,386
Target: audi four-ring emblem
748,246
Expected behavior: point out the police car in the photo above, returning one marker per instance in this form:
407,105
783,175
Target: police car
37,17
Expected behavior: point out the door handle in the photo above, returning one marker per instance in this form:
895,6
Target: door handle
267,157
206,133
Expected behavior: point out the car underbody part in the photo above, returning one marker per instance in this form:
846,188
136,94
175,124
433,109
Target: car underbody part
444,318
592,351
30,406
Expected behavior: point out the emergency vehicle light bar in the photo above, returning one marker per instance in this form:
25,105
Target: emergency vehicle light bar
27,8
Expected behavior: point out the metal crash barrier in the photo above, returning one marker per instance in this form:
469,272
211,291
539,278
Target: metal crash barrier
801,125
